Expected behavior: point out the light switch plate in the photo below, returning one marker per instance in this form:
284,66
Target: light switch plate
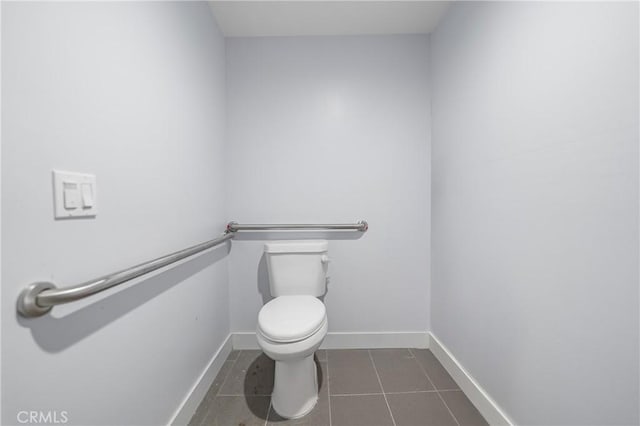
74,195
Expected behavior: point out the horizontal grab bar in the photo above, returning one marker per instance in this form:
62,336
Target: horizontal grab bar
360,226
40,297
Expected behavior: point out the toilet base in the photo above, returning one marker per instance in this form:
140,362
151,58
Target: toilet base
295,387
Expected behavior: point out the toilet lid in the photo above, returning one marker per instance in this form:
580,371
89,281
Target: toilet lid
288,319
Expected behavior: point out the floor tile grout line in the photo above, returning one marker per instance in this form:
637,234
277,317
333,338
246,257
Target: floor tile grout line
423,369
451,412
266,421
244,394
233,364
381,388
437,391
358,394
391,393
328,385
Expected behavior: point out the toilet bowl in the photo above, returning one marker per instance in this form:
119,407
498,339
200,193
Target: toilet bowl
290,330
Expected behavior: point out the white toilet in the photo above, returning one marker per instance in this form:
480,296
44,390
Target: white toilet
292,326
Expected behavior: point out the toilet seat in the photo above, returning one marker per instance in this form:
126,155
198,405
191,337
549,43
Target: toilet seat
288,319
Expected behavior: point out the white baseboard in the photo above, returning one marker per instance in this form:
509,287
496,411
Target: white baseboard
349,340
492,413
189,405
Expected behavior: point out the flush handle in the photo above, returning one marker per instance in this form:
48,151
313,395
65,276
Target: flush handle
325,259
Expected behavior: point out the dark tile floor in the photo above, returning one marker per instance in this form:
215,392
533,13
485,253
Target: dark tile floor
368,387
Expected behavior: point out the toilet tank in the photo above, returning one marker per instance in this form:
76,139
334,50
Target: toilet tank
297,267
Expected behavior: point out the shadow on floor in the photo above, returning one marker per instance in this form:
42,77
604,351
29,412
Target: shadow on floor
258,381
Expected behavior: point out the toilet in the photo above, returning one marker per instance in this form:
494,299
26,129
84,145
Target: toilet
292,326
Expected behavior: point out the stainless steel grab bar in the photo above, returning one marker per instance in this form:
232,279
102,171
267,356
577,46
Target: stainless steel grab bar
360,226
40,297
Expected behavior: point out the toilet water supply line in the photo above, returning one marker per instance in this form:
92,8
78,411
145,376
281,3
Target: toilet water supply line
39,298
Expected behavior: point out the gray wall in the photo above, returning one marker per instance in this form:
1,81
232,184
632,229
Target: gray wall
334,129
133,92
535,205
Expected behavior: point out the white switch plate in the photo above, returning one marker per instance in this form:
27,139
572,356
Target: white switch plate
83,197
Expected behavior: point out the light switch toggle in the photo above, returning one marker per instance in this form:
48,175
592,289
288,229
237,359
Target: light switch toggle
71,195
87,195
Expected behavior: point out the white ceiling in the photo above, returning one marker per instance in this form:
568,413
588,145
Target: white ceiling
307,17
